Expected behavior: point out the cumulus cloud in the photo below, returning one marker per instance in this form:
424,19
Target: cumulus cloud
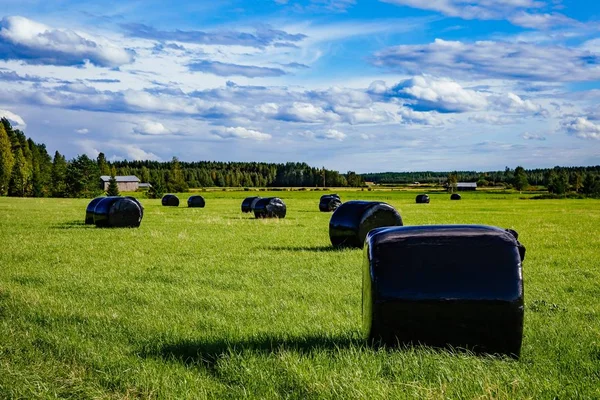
82,131
15,120
494,60
260,38
582,127
443,95
34,43
306,112
331,134
151,128
241,133
226,69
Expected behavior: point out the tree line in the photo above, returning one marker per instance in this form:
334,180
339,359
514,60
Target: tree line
558,180
27,170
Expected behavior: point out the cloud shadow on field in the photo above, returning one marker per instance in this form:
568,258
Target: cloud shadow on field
208,351
315,249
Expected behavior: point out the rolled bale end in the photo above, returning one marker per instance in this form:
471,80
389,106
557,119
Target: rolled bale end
457,286
329,203
455,196
89,211
351,222
270,207
138,203
117,212
170,200
422,199
248,204
196,201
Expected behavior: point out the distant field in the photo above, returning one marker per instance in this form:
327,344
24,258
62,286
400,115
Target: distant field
211,303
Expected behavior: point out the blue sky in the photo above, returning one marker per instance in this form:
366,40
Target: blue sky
390,85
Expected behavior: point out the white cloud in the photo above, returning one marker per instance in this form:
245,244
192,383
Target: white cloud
306,112
332,134
582,128
441,94
524,13
15,120
151,128
241,133
82,131
35,43
493,60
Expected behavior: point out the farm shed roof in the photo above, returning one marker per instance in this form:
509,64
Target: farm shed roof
130,178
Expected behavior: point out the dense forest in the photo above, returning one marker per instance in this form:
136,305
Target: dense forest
559,180
27,170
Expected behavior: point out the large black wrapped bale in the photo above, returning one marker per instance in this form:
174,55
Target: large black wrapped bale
170,200
89,211
270,207
137,202
249,203
351,222
117,212
444,285
329,203
455,196
422,199
196,201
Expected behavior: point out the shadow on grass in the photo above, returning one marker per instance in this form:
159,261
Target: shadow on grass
72,225
316,249
207,352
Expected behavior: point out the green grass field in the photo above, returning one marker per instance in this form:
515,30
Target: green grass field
211,303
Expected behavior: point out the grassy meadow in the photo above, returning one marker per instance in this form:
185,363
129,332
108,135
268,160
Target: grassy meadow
211,303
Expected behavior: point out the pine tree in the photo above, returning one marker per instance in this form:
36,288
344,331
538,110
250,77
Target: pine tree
20,176
113,187
176,182
156,191
59,170
7,160
103,164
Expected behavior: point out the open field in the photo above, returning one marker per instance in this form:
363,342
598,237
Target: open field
211,303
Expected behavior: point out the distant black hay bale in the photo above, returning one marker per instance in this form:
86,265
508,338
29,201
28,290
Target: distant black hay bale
351,222
444,285
170,200
455,196
422,199
329,202
270,207
117,212
249,203
89,211
196,201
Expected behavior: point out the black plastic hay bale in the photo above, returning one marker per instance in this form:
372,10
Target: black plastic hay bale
444,285
89,211
249,203
329,202
117,212
138,203
270,207
351,222
196,201
170,200
422,199
455,196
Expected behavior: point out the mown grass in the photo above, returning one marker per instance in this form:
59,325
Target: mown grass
211,303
